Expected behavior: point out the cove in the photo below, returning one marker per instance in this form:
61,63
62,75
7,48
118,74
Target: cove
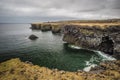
48,50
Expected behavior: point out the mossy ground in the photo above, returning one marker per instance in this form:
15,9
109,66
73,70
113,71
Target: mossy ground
14,69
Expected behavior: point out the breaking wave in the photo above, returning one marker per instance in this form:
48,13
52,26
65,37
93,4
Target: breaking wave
90,64
74,47
105,56
93,60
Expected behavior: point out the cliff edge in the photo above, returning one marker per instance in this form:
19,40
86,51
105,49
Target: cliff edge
102,35
14,69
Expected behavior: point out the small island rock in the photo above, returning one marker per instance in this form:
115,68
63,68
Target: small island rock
33,37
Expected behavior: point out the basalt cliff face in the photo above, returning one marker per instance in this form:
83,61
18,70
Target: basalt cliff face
102,35
14,69
96,38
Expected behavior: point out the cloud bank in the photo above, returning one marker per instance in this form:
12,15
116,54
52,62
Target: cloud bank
45,10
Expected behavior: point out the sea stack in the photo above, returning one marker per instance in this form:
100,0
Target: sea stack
33,37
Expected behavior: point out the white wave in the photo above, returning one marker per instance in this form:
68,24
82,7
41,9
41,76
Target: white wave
74,47
87,69
90,64
105,56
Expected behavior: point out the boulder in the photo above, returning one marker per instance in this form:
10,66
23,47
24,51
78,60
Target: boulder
33,37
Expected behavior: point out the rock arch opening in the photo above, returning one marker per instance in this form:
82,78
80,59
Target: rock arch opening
106,45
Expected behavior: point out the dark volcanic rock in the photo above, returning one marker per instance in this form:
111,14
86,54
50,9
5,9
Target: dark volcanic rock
33,37
106,40
107,45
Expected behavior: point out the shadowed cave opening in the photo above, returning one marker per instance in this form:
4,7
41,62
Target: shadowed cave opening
107,45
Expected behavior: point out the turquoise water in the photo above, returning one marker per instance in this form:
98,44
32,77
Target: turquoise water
48,50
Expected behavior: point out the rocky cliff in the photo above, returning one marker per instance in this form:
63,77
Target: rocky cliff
102,35
96,38
55,28
14,69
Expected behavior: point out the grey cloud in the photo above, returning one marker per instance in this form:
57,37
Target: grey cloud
113,4
66,9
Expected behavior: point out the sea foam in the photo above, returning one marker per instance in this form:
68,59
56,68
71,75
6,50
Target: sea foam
74,47
105,56
90,63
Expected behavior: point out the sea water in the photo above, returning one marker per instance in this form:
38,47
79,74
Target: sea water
48,50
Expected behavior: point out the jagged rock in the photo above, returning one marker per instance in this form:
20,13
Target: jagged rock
33,37
96,38
107,45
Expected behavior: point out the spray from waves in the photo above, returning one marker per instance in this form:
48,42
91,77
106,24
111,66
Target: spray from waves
101,54
90,64
105,56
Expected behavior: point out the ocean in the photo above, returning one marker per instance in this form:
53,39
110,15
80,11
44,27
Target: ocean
48,50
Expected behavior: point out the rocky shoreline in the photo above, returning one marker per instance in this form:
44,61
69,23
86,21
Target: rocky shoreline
102,35
94,38
14,69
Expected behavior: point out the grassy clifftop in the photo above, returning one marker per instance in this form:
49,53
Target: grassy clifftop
90,23
14,69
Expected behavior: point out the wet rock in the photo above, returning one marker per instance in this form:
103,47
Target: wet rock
33,37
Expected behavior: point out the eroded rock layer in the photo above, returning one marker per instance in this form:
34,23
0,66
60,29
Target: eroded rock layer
96,38
102,35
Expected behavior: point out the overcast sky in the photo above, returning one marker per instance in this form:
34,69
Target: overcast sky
49,10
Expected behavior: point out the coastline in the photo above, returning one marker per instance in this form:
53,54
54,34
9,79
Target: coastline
101,35
78,36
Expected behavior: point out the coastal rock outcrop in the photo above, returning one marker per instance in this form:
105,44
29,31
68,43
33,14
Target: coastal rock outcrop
106,40
35,26
33,37
55,28
45,27
102,35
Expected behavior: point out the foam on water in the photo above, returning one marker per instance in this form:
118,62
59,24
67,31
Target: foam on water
90,64
105,56
74,47
87,69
